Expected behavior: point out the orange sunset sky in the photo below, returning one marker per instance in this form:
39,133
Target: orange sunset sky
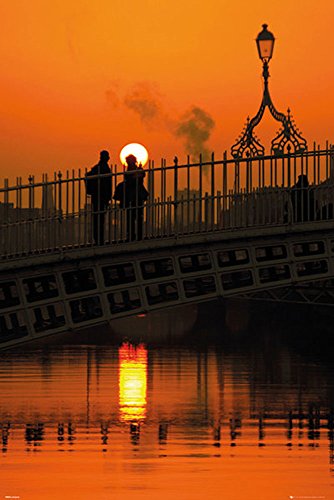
79,76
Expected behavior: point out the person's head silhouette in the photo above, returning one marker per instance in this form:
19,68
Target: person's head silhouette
131,162
131,159
104,156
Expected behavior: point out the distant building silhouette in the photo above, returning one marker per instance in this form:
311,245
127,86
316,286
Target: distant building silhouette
48,204
188,212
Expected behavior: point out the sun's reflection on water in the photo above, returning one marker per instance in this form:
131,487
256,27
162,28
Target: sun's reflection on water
132,382
164,419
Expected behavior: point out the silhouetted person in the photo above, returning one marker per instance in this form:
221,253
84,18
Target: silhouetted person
131,193
99,188
302,198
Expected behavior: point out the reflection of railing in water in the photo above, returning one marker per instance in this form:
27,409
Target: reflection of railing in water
293,430
202,197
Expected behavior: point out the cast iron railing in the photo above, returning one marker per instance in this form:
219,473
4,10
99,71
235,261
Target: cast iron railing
52,214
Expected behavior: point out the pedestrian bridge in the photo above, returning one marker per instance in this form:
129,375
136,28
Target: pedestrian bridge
211,229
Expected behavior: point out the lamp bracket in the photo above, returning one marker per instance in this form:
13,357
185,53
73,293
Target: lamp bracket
288,136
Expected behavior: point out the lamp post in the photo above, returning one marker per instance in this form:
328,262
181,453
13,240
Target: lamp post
288,136
265,42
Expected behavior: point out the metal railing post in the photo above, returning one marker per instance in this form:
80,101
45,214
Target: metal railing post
212,190
176,187
200,193
60,211
289,165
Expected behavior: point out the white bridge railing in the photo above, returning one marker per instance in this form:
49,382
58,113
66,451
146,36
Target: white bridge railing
55,213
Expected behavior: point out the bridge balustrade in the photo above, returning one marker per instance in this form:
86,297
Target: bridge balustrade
193,198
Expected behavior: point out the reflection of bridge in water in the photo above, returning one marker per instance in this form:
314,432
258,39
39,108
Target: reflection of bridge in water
127,396
220,228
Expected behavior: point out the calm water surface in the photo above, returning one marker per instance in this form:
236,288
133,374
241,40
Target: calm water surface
191,420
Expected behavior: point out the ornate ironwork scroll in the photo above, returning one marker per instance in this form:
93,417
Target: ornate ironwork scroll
288,136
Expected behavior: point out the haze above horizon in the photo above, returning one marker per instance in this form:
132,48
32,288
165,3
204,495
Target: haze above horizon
80,77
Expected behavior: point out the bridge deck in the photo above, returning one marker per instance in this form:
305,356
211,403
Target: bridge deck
49,294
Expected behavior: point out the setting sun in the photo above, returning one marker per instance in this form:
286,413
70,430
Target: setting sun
138,150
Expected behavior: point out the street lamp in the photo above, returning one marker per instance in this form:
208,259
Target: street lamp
265,42
288,136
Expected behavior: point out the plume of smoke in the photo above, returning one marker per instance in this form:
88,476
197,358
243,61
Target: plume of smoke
144,100
195,128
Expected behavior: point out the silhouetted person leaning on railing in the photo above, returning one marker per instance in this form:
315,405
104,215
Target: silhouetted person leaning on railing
132,194
302,199
98,186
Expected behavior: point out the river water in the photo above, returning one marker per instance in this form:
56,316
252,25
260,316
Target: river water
194,403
